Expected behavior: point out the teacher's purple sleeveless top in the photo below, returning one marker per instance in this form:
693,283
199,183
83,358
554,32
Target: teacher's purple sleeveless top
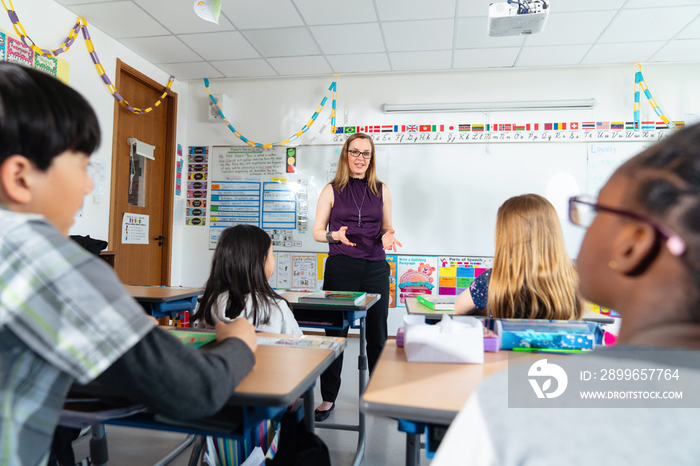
345,214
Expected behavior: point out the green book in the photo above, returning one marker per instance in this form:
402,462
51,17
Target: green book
193,338
343,298
436,302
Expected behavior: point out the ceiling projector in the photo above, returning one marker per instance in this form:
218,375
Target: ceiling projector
514,18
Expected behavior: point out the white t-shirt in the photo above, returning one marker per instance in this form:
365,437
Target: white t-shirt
281,318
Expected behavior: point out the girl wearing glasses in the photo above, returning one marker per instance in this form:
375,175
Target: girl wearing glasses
532,276
641,257
353,215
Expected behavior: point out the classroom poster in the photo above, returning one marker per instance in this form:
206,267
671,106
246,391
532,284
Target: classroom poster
392,260
17,52
134,229
197,187
284,270
456,274
273,279
303,271
48,65
3,41
321,259
416,275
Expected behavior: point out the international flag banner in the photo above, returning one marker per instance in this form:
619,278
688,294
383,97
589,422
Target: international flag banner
438,128
588,125
679,124
361,129
648,125
508,127
559,126
488,127
528,127
537,126
630,125
412,128
617,125
374,129
518,128
424,128
477,127
349,129
338,130
387,129
548,127
465,127
573,126
451,128
661,125
602,125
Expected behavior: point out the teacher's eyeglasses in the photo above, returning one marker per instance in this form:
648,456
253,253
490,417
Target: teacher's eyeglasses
583,210
357,153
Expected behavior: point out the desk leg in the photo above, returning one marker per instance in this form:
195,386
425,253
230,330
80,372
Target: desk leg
362,366
412,449
98,445
309,420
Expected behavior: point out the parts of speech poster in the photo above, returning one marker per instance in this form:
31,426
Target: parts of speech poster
197,175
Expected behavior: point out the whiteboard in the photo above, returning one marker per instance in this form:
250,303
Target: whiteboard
446,196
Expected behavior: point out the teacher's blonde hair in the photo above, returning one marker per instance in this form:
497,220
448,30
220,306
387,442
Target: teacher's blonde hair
532,276
342,174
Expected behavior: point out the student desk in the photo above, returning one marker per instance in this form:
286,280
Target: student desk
338,317
162,301
280,376
413,307
425,395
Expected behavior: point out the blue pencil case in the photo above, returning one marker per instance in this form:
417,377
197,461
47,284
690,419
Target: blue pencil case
544,335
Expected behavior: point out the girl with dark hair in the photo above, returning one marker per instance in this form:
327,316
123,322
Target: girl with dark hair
238,284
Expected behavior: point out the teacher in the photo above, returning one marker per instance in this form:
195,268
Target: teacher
356,208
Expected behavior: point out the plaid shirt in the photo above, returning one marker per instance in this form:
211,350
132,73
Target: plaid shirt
64,316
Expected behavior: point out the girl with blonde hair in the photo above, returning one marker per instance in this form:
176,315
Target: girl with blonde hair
532,276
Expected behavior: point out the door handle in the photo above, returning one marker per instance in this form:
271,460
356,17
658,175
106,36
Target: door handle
160,240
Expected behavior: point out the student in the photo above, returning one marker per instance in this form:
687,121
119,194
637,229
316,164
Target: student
532,276
64,315
238,284
641,257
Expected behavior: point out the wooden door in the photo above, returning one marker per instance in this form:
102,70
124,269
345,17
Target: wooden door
143,264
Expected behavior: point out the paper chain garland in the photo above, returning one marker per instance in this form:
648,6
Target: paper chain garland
80,25
639,83
332,88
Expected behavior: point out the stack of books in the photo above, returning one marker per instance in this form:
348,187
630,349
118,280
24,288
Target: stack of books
338,298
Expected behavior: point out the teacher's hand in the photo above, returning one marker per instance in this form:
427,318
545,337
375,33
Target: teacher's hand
342,238
389,242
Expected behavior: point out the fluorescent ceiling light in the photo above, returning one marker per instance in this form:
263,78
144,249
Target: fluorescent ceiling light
576,104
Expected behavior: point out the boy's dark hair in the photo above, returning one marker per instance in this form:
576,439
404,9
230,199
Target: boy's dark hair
238,268
40,117
669,188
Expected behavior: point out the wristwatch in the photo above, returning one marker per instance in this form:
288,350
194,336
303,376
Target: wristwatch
329,238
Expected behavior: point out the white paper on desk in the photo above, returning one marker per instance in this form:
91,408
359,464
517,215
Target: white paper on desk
458,340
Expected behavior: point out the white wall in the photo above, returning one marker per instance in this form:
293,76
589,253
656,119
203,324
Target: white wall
48,23
270,110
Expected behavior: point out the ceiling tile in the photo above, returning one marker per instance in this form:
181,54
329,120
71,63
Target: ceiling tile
300,66
359,63
244,68
350,38
648,24
336,11
80,2
472,34
163,49
552,55
406,36
474,7
185,71
283,42
486,58
398,10
605,54
588,5
419,61
572,28
655,3
678,50
260,14
180,18
691,31
120,19
220,45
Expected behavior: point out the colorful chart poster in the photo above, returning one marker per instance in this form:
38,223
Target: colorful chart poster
457,273
393,262
303,271
17,52
48,65
196,187
3,40
416,275
232,203
284,270
134,229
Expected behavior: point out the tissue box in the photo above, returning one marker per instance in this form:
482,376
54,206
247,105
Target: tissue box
458,340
